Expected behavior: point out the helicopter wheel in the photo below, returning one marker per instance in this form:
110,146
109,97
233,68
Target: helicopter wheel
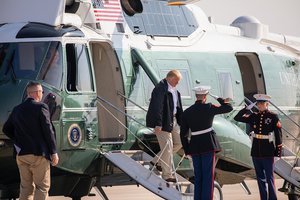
293,197
218,194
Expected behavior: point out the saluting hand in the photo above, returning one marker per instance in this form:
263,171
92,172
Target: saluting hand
54,159
250,106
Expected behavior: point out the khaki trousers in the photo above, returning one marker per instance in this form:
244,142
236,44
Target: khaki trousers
169,143
35,177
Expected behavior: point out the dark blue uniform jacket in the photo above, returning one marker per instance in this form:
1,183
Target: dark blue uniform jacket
160,112
200,117
30,128
262,123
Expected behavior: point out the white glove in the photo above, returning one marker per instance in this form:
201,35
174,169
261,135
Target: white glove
214,96
250,106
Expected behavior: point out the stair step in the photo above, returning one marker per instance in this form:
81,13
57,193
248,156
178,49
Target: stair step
135,165
291,160
296,173
137,155
181,180
284,167
188,194
286,152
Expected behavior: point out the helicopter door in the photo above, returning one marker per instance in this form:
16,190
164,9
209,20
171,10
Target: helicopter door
109,84
79,112
251,73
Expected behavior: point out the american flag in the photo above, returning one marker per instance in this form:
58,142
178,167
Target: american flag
108,10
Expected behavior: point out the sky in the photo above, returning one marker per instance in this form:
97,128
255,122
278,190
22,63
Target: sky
282,16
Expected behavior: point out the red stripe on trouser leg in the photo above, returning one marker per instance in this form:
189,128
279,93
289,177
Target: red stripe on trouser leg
213,176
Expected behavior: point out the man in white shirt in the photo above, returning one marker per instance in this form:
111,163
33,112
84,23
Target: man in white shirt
164,115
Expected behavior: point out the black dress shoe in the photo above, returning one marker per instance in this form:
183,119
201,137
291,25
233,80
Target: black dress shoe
171,180
158,167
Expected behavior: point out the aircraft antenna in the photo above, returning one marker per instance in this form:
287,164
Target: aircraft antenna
87,11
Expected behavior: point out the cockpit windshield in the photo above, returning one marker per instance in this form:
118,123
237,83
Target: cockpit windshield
32,60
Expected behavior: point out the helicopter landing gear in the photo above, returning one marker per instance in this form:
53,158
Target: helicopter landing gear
293,197
218,194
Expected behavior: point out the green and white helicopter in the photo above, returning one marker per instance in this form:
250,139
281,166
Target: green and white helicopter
98,61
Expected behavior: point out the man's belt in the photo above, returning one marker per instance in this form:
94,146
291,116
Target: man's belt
270,137
202,131
261,137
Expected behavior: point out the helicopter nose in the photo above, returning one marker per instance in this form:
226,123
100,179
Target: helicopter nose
11,94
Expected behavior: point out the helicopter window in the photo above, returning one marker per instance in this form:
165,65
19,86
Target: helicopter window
159,19
140,86
22,60
52,69
3,52
79,76
225,82
148,86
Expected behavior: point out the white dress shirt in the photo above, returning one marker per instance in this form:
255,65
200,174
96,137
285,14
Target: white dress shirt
173,90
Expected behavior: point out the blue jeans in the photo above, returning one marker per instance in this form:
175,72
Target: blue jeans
264,168
204,175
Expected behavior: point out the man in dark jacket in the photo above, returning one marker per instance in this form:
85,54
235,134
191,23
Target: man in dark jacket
265,131
163,115
30,128
203,143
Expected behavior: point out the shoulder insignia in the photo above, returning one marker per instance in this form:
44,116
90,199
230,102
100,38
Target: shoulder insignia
278,125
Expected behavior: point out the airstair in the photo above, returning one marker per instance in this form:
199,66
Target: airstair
136,164
288,167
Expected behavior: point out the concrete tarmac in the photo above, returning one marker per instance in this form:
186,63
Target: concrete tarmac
230,192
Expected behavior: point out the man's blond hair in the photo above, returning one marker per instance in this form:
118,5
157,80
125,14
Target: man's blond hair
174,73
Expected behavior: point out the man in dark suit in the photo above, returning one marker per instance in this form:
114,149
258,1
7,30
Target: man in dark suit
265,131
164,115
203,143
30,128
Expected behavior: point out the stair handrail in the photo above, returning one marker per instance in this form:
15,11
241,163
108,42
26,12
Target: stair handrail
140,107
284,114
100,99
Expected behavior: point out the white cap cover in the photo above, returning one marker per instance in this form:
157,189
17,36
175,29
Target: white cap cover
262,97
203,89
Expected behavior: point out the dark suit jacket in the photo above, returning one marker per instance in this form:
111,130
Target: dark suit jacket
199,117
160,112
30,127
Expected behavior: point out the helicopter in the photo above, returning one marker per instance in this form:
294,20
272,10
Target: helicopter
98,61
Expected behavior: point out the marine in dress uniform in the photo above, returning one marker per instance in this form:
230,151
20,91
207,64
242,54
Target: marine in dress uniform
203,143
265,131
